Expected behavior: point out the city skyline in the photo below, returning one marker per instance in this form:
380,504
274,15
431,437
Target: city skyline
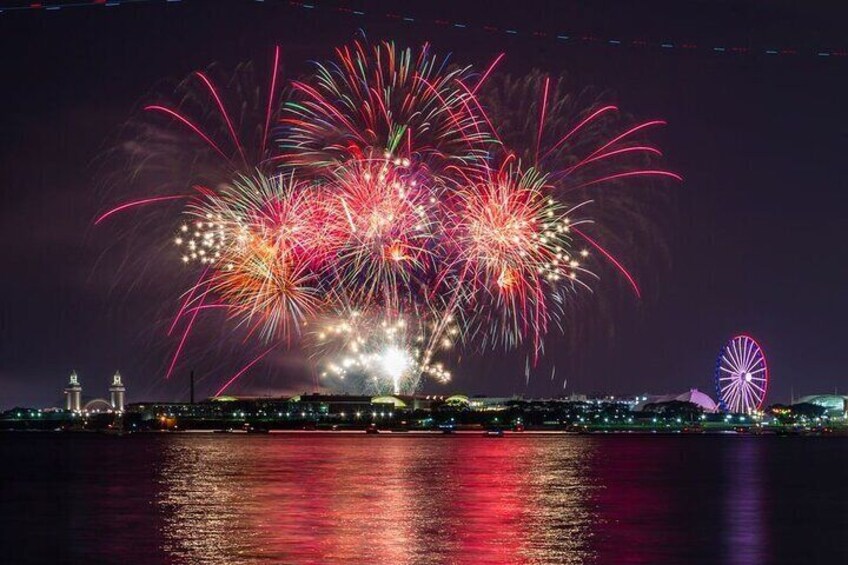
740,240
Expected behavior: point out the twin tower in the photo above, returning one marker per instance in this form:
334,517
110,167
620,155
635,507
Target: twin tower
73,394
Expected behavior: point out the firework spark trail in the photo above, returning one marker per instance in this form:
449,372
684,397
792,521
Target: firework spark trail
135,203
224,114
629,174
542,117
243,370
187,331
187,300
610,154
626,134
596,114
622,269
479,108
189,124
271,94
487,73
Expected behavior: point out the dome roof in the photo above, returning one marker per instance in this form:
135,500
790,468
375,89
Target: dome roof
830,402
694,396
393,400
457,399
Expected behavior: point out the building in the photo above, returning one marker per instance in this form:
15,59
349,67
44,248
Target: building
73,393
330,404
693,396
117,391
223,412
73,396
484,403
835,405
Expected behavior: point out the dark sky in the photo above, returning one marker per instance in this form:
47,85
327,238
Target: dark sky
754,236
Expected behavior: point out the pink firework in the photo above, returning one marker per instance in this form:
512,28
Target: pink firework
386,214
268,245
586,147
413,194
372,100
512,255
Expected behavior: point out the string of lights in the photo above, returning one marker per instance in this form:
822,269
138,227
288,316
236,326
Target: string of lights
565,37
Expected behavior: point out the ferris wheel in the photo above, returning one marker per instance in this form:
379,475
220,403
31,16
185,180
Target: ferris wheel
741,375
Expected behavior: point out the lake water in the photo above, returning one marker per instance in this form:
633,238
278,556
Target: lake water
395,499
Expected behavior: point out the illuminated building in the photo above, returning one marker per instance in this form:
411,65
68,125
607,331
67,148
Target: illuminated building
835,405
116,393
73,394
693,396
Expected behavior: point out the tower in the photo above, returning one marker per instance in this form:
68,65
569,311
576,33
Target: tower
73,393
116,393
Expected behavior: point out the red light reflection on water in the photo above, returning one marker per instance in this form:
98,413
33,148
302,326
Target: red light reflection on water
334,498
340,498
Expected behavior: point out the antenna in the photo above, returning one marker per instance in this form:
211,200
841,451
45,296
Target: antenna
191,390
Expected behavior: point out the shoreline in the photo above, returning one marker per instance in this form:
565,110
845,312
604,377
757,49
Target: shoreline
438,433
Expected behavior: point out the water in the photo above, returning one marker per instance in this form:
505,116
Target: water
342,498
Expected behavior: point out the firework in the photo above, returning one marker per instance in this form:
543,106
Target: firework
587,148
265,239
382,353
370,101
387,215
513,252
391,219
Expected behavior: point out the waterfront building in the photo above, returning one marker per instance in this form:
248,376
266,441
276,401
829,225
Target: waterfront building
348,403
330,404
224,411
117,391
693,396
835,405
485,403
73,393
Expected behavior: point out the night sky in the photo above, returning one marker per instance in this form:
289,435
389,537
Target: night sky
751,242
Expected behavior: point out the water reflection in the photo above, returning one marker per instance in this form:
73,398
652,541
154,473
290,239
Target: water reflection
336,498
318,499
635,503
679,499
744,513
